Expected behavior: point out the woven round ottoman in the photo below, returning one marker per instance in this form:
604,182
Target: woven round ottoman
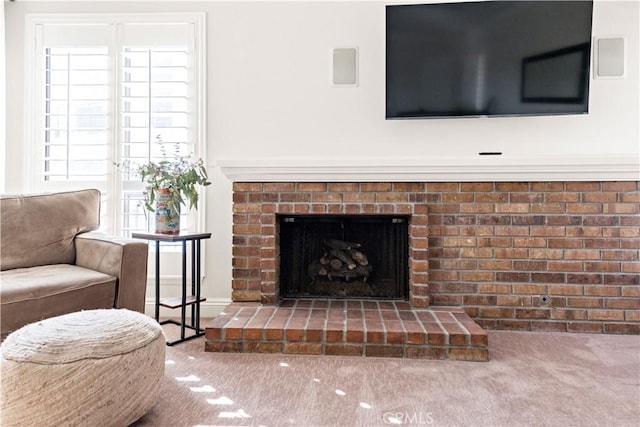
90,368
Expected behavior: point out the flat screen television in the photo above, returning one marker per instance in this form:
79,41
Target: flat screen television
488,58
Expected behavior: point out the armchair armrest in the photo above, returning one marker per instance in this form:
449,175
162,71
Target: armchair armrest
126,259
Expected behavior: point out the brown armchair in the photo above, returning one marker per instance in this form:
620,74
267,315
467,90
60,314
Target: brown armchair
52,261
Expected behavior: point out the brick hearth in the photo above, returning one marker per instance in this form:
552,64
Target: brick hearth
348,327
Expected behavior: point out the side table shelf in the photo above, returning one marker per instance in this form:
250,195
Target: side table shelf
177,302
194,298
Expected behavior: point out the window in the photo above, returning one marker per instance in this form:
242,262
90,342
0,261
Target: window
113,90
75,131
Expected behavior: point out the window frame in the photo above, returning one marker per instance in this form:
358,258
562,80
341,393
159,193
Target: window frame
34,109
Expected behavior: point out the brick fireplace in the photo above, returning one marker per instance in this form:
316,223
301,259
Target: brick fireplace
261,320
256,248
550,256
541,256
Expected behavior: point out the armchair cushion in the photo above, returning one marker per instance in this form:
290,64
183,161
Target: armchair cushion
31,294
40,229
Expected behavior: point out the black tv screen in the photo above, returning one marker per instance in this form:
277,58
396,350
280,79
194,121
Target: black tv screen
488,58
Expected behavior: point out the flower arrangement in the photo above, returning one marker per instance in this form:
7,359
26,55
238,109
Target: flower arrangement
177,177
170,183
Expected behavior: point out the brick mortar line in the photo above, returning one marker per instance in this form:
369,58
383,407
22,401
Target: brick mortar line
365,338
232,317
223,330
405,333
264,328
285,328
306,323
346,324
246,324
324,326
286,324
467,339
345,320
442,328
424,330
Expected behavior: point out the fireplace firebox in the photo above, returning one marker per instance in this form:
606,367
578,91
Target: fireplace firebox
344,256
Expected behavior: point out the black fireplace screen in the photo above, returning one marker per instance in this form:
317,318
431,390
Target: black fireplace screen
359,256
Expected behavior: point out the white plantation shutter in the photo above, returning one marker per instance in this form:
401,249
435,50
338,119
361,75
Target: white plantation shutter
114,92
154,115
76,114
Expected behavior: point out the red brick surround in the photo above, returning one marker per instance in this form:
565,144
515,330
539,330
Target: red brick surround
255,234
494,249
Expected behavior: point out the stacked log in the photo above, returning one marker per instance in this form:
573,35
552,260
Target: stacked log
341,261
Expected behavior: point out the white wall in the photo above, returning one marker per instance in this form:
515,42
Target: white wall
273,113
3,140
273,67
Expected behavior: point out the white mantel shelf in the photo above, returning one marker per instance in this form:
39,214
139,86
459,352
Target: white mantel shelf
489,168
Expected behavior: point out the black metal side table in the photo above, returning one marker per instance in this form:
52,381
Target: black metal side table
194,299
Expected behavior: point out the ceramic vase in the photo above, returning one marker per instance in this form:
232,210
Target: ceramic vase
167,219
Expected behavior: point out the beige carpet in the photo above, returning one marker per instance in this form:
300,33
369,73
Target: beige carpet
533,379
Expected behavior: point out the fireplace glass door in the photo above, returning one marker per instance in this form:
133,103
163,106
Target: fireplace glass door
349,256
